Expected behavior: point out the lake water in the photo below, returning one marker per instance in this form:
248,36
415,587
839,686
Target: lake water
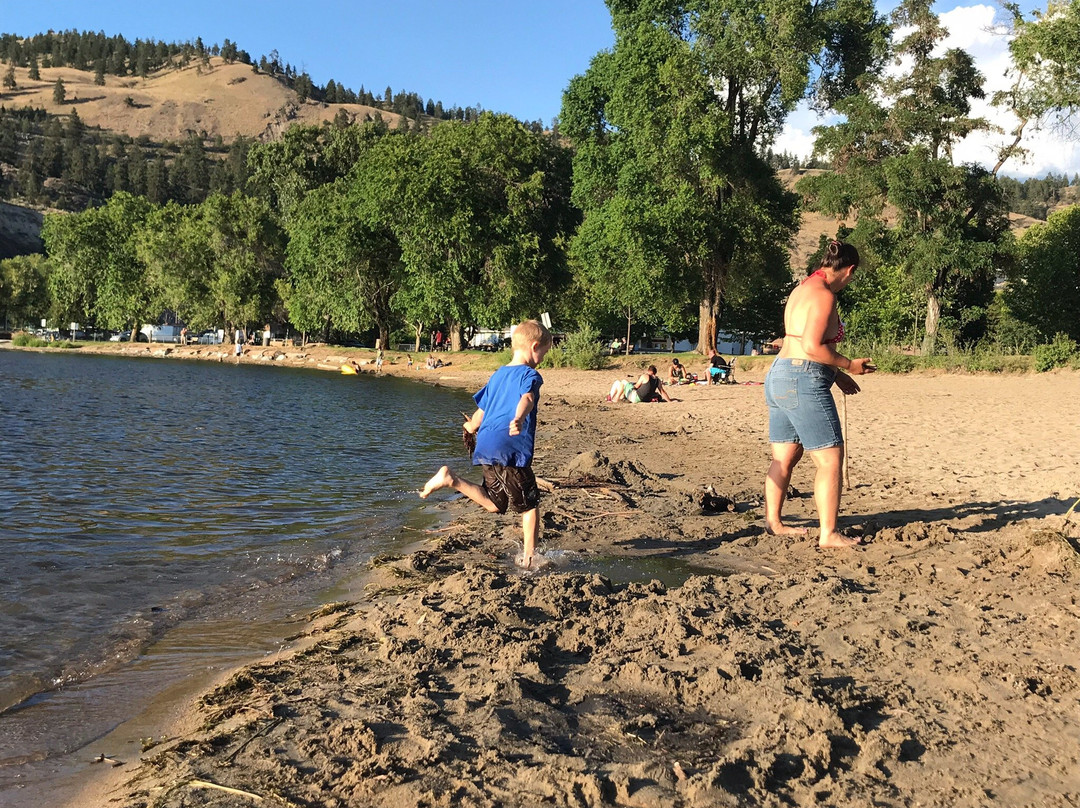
189,508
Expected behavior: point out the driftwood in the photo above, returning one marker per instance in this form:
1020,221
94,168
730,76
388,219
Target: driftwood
237,791
581,482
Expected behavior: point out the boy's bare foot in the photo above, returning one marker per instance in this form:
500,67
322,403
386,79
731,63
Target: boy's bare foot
523,561
780,529
443,478
837,539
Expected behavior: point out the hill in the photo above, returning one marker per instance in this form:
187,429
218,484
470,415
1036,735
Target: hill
225,100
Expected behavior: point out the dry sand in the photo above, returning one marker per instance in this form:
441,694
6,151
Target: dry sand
936,665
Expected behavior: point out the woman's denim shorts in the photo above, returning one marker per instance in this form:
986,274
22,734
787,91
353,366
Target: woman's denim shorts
801,405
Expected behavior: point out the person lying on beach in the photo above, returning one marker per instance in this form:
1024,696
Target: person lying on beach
504,425
648,387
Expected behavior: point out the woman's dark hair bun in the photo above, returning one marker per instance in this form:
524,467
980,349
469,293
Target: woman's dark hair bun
840,254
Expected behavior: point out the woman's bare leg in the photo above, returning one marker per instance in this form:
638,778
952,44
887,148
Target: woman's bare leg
785,456
830,465
445,478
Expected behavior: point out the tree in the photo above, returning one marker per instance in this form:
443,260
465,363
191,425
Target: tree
893,152
247,247
1045,70
24,290
34,74
668,128
1044,286
9,78
59,93
480,213
343,270
97,275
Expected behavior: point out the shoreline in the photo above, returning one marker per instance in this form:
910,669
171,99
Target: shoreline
938,664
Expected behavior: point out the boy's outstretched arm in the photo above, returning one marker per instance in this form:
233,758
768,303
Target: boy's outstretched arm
524,407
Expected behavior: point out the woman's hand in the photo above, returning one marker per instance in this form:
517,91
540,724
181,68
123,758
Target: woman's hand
847,385
860,366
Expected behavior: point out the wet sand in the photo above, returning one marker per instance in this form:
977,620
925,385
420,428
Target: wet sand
935,665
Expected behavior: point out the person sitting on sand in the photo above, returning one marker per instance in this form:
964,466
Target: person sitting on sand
504,426
677,371
717,370
648,387
802,412
433,363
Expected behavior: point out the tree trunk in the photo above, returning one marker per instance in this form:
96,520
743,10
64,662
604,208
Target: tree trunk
933,315
418,329
455,336
708,317
384,335
326,332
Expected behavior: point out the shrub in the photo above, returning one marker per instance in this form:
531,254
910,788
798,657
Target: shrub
25,340
894,362
582,349
1059,353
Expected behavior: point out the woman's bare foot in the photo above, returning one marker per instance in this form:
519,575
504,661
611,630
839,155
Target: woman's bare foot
523,561
780,529
837,539
443,478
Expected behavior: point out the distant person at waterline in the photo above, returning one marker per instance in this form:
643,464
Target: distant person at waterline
504,430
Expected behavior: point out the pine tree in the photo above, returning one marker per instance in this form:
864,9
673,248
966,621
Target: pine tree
35,74
9,78
99,73
59,93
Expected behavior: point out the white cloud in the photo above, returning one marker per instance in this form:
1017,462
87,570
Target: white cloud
976,29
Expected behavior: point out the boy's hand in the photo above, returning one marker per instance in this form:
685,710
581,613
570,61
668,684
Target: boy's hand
515,426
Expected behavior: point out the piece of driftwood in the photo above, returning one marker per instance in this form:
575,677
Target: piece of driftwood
106,759
582,482
228,790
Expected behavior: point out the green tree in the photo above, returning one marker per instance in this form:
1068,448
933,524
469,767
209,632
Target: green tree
24,290
9,78
59,93
668,129
1045,71
893,158
97,275
480,214
34,74
175,247
343,271
1044,286
247,248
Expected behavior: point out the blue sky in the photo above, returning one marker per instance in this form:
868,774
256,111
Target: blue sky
504,55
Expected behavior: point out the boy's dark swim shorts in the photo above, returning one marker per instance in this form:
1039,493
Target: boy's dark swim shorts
511,486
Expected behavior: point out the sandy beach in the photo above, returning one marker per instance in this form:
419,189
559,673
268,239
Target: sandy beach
935,665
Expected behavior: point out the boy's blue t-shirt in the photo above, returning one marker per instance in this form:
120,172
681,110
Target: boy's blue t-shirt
499,400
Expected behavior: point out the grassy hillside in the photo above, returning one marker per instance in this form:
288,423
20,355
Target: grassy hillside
226,100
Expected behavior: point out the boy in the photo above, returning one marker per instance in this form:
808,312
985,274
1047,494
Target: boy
504,426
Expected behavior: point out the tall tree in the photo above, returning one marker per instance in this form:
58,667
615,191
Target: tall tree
1044,286
893,156
59,93
668,127
97,275
343,271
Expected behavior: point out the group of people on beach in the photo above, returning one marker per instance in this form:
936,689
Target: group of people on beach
802,413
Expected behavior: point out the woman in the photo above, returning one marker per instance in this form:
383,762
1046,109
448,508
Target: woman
802,412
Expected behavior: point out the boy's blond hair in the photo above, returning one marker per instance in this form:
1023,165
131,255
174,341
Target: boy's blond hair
528,332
